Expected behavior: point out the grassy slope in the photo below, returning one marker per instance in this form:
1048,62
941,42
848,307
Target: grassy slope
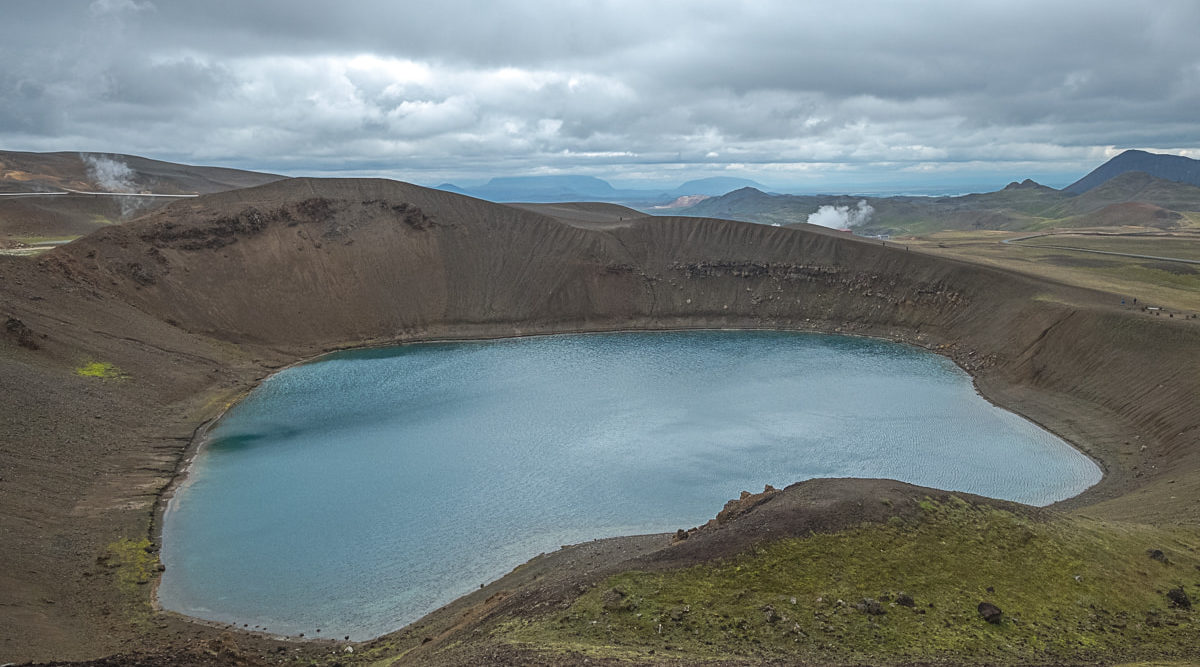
1172,285
1070,588
1185,248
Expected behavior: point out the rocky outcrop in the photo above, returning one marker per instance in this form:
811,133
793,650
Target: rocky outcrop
990,612
17,331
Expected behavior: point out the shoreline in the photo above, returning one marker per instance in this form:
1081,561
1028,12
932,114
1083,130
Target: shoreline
181,476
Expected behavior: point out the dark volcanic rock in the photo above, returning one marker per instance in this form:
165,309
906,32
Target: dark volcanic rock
905,600
616,599
1158,555
23,334
870,606
1179,598
990,612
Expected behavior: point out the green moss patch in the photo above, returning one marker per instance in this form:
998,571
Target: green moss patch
132,565
1069,589
100,369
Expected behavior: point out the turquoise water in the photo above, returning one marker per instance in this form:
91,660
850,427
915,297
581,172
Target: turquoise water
359,492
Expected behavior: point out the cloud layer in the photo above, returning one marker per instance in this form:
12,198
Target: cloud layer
800,95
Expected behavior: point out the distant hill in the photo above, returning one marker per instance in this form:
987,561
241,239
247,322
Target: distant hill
1020,206
1133,186
558,188
715,186
567,188
546,188
107,172
1138,214
37,216
450,187
1168,167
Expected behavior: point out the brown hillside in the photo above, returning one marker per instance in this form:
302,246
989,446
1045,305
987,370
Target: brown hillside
36,172
587,214
1132,186
1135,214
25,218
60,216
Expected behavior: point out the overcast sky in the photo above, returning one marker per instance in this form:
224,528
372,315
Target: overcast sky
844,95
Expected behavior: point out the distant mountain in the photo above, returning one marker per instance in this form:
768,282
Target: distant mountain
682,201
1133,186
1027,198
753,205
715,186
1168,167
566,188
1020,206
539,189
450,187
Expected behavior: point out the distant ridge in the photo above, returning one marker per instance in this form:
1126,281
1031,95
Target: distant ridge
114,172
1168,167
569,188
715,186
76,214
1133,186
1026,184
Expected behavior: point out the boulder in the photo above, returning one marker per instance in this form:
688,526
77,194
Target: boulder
1179,598
870,606
990,612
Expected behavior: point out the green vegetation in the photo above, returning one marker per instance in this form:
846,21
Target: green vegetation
40,240
1173,285
1159,246
133,564
100,369
1070,589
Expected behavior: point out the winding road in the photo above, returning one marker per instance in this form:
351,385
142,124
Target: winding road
68,191
1098,252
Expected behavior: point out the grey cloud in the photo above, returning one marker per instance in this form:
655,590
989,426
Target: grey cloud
777,90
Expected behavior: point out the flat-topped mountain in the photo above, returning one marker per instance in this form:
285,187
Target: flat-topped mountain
560,188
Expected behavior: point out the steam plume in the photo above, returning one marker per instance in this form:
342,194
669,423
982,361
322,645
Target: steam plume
112,175
842,217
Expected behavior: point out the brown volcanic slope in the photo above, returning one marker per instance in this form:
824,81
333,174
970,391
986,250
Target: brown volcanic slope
73,214
586,214
39,172
193,303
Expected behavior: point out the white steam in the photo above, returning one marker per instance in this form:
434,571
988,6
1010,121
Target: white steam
842,217
111,175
